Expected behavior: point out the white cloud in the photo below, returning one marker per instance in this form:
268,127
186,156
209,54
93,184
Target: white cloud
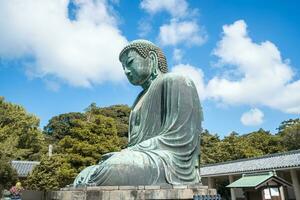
177,55
144,27
177,8
194,74
253,117
266,79
187,32
81,52
183,26
52,85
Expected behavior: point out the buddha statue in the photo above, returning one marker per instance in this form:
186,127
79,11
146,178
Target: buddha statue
164,126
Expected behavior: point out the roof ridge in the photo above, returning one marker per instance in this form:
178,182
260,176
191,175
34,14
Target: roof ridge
24,161
253,158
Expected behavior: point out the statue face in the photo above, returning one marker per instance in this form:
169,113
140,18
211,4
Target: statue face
137,69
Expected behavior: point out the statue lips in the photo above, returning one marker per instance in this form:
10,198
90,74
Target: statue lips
130,78
133,77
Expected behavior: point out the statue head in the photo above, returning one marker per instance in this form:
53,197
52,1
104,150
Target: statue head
142,61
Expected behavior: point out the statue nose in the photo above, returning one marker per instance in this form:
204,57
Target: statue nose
127,71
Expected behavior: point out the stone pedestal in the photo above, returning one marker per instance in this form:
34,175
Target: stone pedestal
131,192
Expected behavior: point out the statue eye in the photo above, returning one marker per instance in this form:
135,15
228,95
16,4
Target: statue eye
130,60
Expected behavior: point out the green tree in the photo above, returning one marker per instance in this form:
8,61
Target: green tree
61,125
260,143
8,175
209,147
287,123
235,146
120,113
289,131
20,135
52,173
232,147
89,140
79,140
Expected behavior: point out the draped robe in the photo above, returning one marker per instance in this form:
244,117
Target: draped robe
164,128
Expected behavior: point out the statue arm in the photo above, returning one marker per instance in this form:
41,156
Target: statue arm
179,102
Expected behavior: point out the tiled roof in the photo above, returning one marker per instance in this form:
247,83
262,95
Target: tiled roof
24,167
287,160
257,180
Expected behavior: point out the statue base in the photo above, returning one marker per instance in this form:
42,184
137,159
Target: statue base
131,192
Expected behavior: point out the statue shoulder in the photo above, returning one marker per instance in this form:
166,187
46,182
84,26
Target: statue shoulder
178,79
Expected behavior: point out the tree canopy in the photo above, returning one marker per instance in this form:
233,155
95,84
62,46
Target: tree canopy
235,146
20,135
8,175
79,140
52,173
289,131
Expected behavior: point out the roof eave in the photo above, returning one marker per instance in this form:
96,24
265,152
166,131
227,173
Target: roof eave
247,172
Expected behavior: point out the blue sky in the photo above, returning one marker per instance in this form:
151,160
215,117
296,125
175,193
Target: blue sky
58,56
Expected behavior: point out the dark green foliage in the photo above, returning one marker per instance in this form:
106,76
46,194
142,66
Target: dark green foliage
120,113
88,140
20,138
79,140
52,173
289,132
262,142
288,123
214,150
235,146
20,135
60,126
8,175
210,151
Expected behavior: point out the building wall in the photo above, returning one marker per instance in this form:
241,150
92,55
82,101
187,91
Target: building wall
285,174
239,193
32,195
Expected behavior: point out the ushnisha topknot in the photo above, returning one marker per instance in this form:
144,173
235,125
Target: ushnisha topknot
143,47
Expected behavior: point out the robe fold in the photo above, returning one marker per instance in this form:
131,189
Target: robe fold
164,129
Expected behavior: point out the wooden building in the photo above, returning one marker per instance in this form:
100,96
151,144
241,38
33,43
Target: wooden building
284,166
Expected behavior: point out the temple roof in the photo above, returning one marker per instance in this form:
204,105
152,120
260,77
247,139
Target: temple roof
23,168
278,161
258,180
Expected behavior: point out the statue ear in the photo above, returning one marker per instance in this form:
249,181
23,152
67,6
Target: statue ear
153,62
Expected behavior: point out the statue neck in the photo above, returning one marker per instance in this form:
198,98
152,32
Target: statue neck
149,81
